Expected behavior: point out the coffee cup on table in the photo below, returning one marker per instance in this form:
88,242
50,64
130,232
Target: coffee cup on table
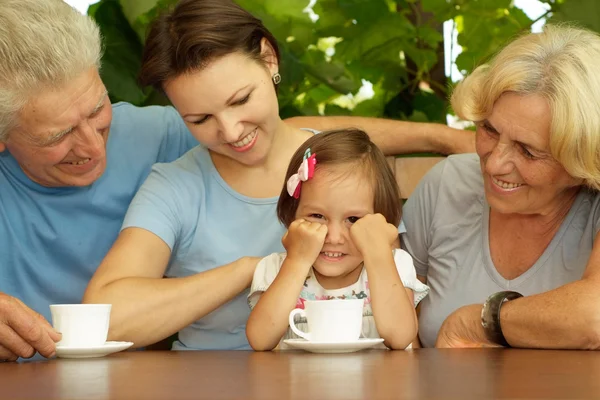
81,325
330,321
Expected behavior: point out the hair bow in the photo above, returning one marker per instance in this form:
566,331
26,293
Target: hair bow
305,172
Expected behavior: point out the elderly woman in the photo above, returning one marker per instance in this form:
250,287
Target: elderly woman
507,238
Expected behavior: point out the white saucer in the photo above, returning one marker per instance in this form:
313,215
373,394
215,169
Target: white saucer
91,352
324,347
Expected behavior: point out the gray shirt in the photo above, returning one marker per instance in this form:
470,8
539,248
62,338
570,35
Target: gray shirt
447,221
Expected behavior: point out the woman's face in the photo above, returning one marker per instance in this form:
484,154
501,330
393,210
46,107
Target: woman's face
520,175
230,106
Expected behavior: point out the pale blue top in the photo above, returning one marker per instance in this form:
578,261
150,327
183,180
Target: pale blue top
53,239
206,224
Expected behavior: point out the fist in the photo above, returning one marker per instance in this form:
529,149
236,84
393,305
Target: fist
373,232
304,240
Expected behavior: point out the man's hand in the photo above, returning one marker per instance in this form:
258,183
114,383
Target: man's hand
462,329
23,332
304,241
373,233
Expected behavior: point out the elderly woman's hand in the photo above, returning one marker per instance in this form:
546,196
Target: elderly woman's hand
462,329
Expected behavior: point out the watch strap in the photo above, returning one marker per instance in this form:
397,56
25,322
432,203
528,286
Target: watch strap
490,316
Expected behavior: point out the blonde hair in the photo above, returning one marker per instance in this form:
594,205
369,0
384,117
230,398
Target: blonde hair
43,44
561,65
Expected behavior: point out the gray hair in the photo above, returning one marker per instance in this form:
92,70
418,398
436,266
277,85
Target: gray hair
43,44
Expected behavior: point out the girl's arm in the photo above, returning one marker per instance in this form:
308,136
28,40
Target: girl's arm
269,319
148,308
392,303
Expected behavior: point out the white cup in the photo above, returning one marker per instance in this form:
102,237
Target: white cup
81,325
331,321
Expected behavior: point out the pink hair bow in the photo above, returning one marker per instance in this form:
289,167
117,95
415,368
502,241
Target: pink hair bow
305,172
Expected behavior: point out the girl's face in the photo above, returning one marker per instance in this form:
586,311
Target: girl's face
338,197
519,173
230,106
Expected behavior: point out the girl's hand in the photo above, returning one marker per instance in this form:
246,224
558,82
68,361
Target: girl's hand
373,233
304,241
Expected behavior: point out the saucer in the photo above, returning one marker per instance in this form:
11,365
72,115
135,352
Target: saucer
91,352
325,347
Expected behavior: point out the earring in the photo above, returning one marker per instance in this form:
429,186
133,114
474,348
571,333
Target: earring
276,78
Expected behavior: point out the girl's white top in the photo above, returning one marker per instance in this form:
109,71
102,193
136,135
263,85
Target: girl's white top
269,267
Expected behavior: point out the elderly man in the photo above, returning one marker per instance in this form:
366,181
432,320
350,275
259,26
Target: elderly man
70,163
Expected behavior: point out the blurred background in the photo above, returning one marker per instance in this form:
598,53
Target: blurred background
379,58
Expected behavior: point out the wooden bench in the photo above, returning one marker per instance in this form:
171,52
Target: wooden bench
410,170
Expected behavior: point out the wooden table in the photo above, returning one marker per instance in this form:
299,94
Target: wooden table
417,374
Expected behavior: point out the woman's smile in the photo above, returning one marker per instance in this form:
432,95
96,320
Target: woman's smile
246,143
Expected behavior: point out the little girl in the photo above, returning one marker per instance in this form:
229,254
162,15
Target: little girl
341,206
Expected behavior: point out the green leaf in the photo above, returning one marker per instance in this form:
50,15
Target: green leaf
390,28
287,9
432,107
122,53
132,9
442,8
584,12
332,109
418,116
322,94
486,30
362,11
143,19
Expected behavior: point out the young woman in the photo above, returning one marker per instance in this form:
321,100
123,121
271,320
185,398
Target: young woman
200,219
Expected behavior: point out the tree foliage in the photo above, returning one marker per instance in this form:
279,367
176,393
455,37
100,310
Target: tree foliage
394,45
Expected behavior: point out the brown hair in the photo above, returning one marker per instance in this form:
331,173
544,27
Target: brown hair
196,32
346,146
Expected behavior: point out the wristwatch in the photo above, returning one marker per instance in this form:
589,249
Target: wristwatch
490,316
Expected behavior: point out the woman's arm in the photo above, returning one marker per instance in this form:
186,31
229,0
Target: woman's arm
268,320
567,317
392,303
148,308
398,137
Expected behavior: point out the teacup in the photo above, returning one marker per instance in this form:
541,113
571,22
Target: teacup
331,321
81,325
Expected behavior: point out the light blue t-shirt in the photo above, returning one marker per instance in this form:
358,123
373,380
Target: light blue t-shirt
53,239
206,224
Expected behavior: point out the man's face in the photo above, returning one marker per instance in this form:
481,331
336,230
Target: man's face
61,135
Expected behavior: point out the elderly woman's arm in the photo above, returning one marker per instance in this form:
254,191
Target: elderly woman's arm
398,137
567,317
147,307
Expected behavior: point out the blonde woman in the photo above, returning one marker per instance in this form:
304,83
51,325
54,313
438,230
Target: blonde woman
507,238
